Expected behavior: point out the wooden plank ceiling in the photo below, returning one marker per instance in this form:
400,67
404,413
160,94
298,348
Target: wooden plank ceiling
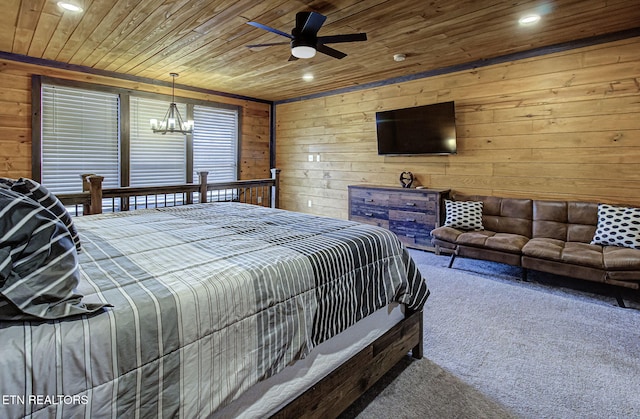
204,40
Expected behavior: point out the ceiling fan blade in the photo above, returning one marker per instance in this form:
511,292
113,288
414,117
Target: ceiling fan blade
334,39
267,45
267,28
330,51
309,23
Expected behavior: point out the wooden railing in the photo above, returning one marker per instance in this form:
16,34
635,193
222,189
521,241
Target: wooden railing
95,200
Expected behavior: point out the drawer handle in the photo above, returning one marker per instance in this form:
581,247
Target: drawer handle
411,235
411,220
368,200
368,214
411,204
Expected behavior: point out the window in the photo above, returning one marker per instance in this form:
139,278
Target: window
156,159
80,134
215,143
82,130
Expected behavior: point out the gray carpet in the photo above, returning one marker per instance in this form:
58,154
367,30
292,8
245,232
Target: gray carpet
497,347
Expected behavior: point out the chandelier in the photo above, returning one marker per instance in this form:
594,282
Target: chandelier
172,121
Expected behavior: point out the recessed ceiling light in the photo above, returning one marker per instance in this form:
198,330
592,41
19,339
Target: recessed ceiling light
307,77
70,6
529,19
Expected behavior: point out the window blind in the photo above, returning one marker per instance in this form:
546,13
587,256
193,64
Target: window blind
215,143
80,134
156,159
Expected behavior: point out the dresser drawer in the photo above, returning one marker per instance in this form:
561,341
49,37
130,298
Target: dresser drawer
369,211
413,219
359,209
369,206
414,202
412,227
411,236
369,198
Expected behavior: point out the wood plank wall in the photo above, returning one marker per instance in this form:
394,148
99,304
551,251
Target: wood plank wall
15,118
559,126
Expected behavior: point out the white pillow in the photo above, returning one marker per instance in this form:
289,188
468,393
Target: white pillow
465,215
617,226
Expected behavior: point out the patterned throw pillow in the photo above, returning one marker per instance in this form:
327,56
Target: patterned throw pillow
617,226
40,194
465,215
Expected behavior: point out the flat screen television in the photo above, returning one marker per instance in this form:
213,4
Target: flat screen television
429,129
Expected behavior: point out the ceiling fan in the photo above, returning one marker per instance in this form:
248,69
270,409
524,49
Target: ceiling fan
305,40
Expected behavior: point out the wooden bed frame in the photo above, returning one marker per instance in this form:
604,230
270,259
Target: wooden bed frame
337,391
334,393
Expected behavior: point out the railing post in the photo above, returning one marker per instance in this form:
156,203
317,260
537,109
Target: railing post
86,187
96,194
275,189
203,186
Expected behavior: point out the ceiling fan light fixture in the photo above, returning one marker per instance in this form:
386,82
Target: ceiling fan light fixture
305,42
303,51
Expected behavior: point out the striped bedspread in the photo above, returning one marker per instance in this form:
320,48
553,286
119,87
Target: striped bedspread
207,300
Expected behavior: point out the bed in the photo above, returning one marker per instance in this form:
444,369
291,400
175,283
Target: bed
189,309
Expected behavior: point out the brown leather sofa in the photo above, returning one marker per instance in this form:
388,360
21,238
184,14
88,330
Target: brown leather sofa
548,236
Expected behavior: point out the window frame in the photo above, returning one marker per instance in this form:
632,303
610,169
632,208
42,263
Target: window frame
125,123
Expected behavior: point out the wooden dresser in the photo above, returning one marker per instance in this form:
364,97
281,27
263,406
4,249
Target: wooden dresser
410,213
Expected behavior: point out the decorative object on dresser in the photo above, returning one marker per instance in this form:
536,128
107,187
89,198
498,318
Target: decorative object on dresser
410,213
406,179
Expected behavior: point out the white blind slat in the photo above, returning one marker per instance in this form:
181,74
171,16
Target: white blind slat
80,134
156,159
215,143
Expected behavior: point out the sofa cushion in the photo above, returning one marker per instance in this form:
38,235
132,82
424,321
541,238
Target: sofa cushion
544,248
550,220
503,215
509,215
621,258
575,253
580,232
505,242
448,234
465,215
562,220
585,213
618,226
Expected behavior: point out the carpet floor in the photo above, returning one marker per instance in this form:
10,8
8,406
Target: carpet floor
497,347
